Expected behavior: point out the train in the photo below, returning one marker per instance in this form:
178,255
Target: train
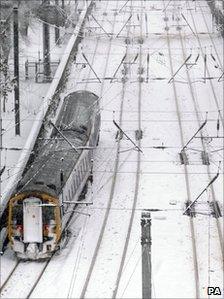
55,177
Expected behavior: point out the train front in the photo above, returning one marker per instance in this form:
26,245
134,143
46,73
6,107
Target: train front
34,225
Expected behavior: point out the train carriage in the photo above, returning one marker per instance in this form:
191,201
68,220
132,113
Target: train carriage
55,175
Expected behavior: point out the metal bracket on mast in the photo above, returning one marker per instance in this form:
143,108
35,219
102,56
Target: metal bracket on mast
120,129
210,183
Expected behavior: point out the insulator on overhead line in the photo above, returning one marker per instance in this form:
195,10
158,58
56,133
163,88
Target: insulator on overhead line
218,125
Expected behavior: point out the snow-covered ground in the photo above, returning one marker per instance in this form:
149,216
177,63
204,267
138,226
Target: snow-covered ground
165,184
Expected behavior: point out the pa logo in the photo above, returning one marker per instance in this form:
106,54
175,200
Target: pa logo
213,291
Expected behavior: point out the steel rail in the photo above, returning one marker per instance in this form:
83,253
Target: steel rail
111,197
10,275
191,221
138,168
210,81
13,273
102,85
195,104
70,218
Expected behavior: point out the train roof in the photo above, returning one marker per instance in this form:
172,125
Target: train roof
56,155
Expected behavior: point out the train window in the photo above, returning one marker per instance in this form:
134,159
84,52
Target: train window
17,214
47,214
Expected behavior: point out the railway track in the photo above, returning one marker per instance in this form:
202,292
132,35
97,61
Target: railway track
9,276
195,223
138,166
31,272
203,145
9,282
17,272
111,198
100,96
207,70
187,183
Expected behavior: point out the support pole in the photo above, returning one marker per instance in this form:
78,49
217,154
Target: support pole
57,30
146,255
16,69
46,49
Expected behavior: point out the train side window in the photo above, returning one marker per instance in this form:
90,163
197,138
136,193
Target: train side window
48,214
17,214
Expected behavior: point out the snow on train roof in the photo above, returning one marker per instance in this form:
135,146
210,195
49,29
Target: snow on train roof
75,121
77,113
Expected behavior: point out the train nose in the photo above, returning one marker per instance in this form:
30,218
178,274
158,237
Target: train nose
32,251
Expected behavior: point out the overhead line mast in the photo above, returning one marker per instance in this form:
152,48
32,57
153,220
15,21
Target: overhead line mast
16,68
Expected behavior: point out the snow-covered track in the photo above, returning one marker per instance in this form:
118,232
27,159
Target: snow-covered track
29,272
195,222
191,221
204,148
38,279
112,191
138,167
9,276
215,96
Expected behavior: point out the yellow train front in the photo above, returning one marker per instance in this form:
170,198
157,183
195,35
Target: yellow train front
55,175
34,225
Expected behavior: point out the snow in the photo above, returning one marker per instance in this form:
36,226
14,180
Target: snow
162,179
42,109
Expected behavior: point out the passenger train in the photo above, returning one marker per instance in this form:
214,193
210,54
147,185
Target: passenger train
55,175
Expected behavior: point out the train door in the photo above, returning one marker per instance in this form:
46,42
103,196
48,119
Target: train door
32,221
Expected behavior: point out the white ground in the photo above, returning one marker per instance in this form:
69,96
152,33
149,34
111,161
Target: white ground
162,180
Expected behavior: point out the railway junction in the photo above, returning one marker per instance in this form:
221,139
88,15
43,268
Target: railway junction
151,222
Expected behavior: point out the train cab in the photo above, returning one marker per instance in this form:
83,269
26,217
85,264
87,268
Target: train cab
34,225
